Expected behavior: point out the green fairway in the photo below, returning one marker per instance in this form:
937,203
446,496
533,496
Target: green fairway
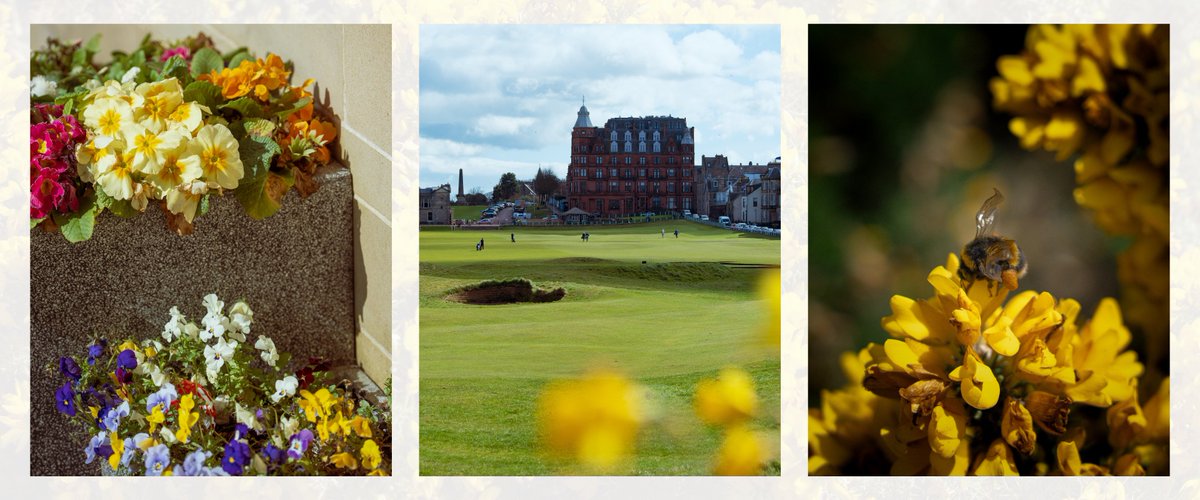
687,311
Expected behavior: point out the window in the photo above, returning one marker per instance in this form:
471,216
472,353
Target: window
425,204
613,160
628,146
628,160
613,136
642,136
641,172
429,216
656,202
687,187
612,187
614,205
670,187
657,160
599,205
612,148
598,160
642,186
670,172
642,147
612,172
599,173
628,187
655,136
657,145
628,135
627,172
687,203
755,203
642,160
584,149
670,203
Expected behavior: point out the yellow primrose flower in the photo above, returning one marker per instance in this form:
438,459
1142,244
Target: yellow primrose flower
173,172
728,399
344,460
742,453
115,172
996,461
370,455
186,117
158,100
593,419
184,199
214,151
150,148
186,418
106,119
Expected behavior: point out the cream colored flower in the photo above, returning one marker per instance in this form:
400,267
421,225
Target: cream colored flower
215,152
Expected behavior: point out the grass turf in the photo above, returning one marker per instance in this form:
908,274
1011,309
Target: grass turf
668,323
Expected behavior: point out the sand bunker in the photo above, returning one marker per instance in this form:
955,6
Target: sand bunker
505,292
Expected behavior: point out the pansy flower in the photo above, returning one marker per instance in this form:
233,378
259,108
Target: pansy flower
186,418
97,447
193,463
299,444
112,419
165,396
64,399
215,356
158,459
69,368
237,453
127,359
95,350
269,354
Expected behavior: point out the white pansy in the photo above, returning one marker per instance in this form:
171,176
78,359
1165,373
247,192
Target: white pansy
240,316
168,435
285,388
213,305
173,329
216,355
245,415
269,353
289,426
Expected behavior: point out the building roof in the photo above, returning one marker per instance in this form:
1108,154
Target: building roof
575,211
584,119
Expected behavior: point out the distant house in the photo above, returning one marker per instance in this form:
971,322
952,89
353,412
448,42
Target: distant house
435,205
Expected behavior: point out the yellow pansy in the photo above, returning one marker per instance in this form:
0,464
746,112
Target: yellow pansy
360,426
156,417
118,449
370,455
316,405
186,418
344,460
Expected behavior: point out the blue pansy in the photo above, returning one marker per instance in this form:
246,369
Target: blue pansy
69,368
158,458
64,399
165,395
112,419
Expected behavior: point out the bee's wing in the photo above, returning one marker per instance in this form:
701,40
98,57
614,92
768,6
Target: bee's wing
985,219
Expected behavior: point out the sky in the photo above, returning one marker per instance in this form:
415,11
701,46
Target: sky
503,98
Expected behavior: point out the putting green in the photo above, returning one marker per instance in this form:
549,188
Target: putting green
687,311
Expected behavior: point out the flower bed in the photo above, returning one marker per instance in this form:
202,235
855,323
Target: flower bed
200,402
169,123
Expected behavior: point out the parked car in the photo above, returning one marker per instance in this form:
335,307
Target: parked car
724,220
485,221
703,217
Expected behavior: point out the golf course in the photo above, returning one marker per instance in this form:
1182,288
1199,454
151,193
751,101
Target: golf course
665,312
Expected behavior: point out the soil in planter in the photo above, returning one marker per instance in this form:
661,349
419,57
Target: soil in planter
505,292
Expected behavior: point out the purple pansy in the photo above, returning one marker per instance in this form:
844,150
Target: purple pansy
237,454
158,458
193,464
64,399
127,359
112,419
95,350
274,455
97,447
165,396
299,443
69,368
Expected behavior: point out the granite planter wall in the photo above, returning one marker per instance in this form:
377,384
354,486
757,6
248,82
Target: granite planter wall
296,268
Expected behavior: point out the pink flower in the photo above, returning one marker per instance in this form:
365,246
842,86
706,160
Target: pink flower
46,193
180,51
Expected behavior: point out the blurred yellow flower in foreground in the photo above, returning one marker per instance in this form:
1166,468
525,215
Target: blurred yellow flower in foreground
770,290
742,453
728,399
593,419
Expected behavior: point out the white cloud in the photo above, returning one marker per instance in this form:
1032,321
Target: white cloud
491,125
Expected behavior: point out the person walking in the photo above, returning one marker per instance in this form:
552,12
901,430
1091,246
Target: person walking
481,243
664,233
513,236
676,233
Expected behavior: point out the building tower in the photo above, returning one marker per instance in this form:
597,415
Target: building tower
461,198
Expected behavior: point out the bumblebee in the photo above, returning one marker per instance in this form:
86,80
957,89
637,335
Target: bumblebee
991,256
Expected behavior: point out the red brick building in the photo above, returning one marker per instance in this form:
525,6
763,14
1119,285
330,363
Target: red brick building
630,165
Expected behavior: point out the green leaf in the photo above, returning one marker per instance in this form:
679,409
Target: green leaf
204,205
122,208
93,44
246,106
206,60
137,58
259,127
261,190
34,222
78,226
263,197
238,57
256,154
203,92
177,67
295,107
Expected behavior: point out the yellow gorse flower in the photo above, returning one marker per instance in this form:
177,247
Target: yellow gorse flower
920,398
728,399
1101,93
593,419
742,453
